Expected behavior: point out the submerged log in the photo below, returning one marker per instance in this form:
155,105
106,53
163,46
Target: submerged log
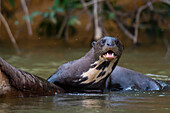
17,83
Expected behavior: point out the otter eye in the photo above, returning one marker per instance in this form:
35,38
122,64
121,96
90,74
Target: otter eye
93,43
117,42
102,42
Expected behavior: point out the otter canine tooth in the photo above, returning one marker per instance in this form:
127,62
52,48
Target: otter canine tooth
107,54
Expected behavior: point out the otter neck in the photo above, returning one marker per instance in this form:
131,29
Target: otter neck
99,69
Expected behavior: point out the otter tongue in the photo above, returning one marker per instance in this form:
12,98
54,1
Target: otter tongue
109,55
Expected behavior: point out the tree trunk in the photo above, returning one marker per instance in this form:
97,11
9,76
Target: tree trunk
17,83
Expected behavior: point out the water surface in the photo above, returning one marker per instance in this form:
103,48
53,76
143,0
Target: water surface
44,62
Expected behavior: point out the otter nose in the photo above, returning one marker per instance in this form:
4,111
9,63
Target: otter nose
110,43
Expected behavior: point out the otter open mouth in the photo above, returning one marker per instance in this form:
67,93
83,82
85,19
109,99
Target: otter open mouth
109,55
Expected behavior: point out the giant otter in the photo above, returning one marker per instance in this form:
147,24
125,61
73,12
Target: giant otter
95,71
126,79
89,73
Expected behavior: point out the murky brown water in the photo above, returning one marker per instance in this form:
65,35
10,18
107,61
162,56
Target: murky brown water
44,62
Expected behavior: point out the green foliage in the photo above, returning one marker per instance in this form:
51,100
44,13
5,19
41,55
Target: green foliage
57,7
35,13
7,10
64,10
73,20
56,16
152,25
111,15
163,9
12,3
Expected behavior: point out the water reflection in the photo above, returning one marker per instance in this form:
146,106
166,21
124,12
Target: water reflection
126,101
158,77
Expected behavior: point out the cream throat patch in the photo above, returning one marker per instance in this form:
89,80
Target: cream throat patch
98,71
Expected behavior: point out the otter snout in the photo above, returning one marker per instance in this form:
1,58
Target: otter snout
112,42
108,47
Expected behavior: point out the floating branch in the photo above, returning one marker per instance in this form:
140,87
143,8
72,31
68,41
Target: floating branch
17,83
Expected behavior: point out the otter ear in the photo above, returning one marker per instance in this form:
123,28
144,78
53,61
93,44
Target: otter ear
123,47
93,43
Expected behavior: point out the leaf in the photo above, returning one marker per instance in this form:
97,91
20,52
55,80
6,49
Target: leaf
53,20
30,18
16,22
56,4
60,9
73,20
32,15
66,2
12,3
45,14
52,14
52,17
35,13
111,15
79,5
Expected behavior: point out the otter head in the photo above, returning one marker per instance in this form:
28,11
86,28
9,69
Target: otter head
107,52
107,49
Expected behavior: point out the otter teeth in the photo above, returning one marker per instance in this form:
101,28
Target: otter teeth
110,55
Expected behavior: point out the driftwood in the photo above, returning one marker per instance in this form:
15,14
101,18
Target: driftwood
17,83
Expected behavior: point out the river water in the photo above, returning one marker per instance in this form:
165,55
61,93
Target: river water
45,60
